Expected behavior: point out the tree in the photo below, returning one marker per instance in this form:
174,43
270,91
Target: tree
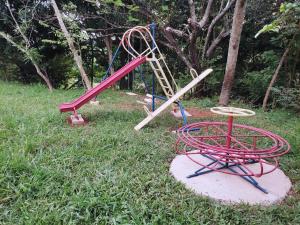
274,77
24,44
197,32
237,26
102,23
288,23
108,43
70,41
191,34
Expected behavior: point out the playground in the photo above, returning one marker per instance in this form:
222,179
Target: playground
157,112
210,147
52,172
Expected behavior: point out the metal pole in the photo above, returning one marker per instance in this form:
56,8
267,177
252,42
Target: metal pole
229,132
152,28
112,61
92,61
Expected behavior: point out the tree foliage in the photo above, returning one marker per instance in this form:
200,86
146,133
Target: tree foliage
190,34
287,25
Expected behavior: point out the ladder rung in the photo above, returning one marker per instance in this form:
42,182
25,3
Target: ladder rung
166,86
168,94
164,80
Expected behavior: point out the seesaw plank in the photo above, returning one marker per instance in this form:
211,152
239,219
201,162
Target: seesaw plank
170,101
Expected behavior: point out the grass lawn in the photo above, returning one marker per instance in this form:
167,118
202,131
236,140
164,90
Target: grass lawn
106,173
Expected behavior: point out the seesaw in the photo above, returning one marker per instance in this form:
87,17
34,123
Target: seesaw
169,102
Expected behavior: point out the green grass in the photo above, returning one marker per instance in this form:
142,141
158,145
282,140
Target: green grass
105,173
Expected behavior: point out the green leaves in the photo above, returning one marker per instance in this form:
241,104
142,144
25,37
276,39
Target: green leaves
117,3
42,23
164,8
268,28
133,8
285,7
132,19
34,55
287,97
287,19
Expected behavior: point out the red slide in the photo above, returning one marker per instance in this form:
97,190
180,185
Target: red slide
77,103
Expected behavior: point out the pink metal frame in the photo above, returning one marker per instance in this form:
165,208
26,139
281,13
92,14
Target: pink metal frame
232,144
89,95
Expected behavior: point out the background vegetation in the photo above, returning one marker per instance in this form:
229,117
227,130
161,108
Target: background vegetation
91,22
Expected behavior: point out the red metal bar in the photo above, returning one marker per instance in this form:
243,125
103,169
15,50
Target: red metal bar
229,132
236,149
89,95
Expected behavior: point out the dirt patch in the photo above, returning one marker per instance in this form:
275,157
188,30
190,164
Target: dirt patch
195,112
139,97
200,113
127,106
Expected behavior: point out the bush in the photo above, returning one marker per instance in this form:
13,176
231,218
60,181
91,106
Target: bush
252,85
287,97
59,69
9,71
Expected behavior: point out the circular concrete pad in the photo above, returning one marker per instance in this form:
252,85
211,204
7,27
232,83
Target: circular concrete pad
230,189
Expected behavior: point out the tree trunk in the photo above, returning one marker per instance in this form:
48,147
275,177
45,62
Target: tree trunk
216,42
233,50
25,51
77,57
175,47
213,23
92,62
43,76
275,75
108,44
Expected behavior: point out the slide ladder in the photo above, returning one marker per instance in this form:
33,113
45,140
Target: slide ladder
161,77
154,57
159,66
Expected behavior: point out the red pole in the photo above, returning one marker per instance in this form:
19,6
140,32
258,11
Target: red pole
229,132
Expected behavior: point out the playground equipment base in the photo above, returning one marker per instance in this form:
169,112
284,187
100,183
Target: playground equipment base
178,114
131,93
230,189
76,121
94,102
